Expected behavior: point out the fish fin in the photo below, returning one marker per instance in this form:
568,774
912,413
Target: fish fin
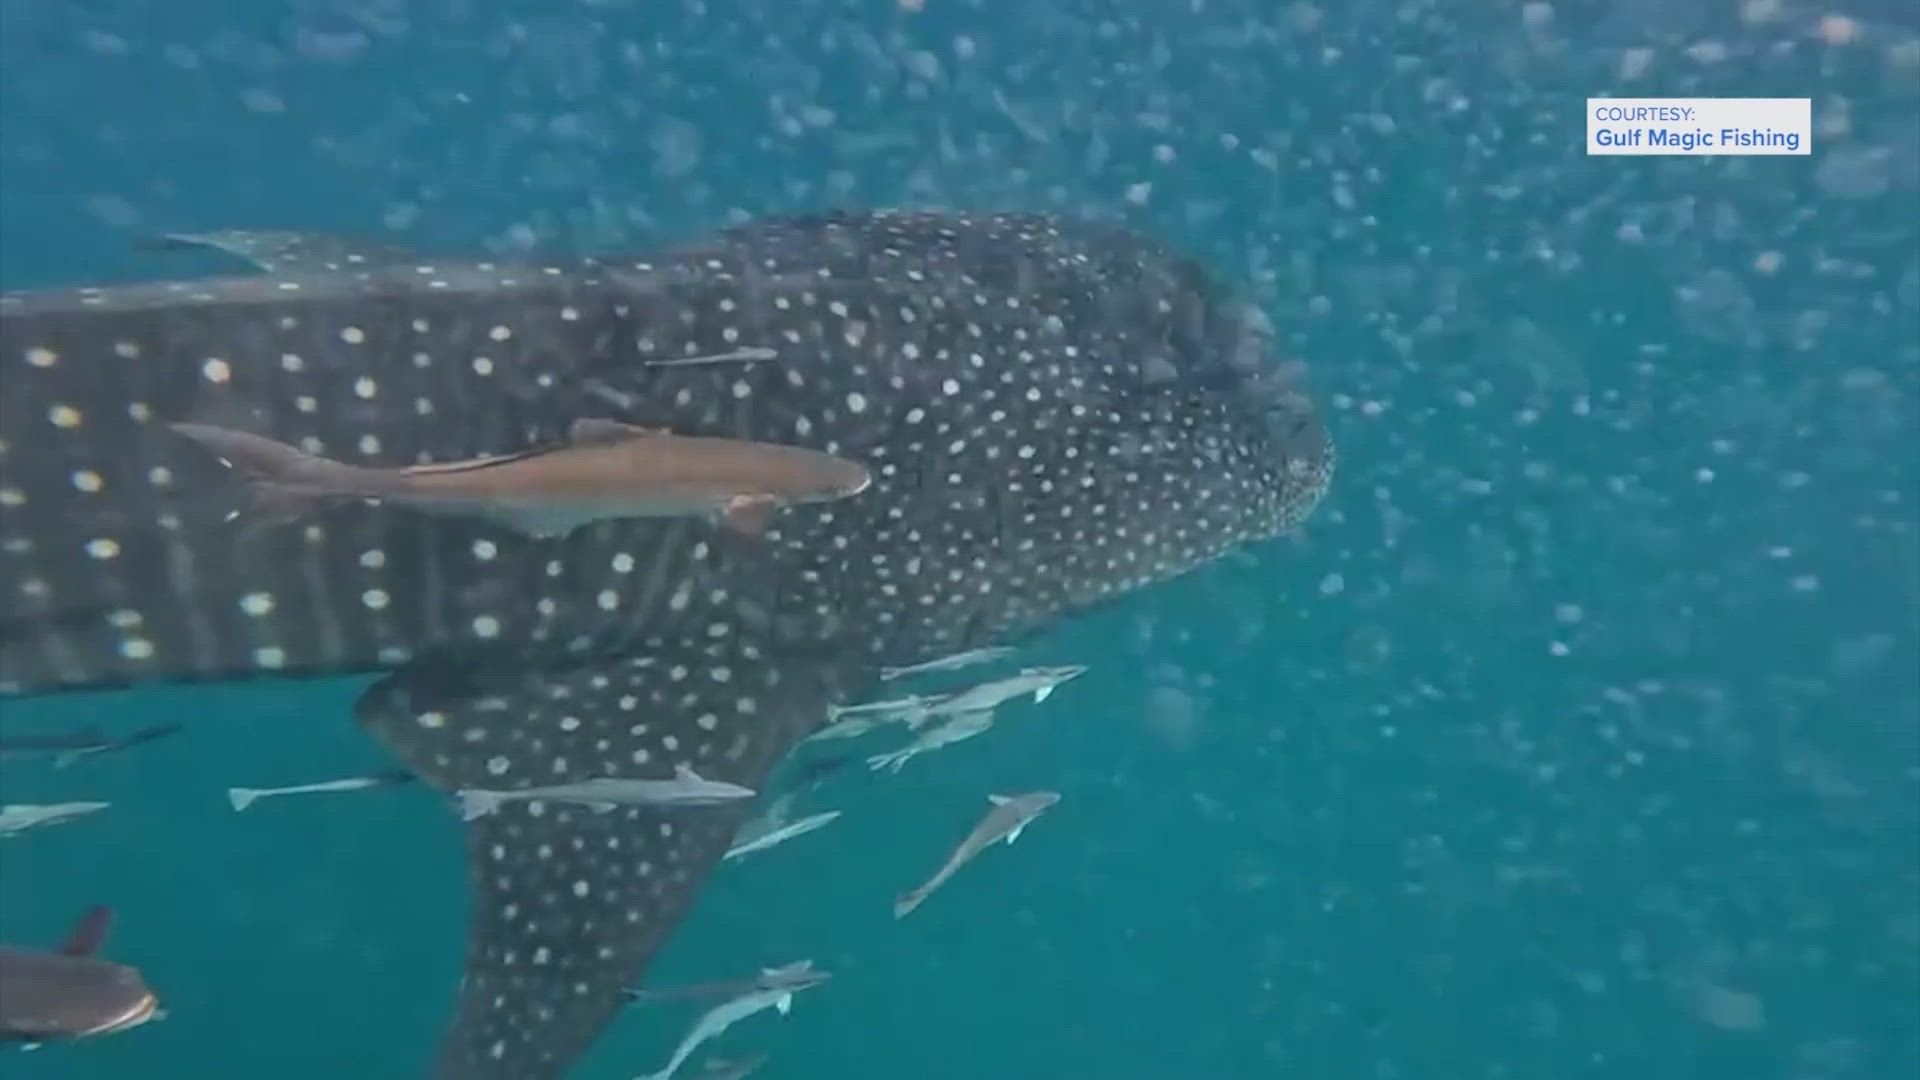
281,250
1042,694
241,798
999,800
568,907
68,758
683,771
477,804
906,902
601,807
283,480
589,431
888,674
87,934
1014,834
748,515
784,1003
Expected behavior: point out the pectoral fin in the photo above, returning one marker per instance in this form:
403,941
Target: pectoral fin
569,906
748,515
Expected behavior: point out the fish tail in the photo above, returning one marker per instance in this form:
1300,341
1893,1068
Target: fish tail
283,480
477,804
891,760
888,674
907,901
241,798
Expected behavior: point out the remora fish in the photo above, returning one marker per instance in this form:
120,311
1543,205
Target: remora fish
774,991
1055,414
948,663
607,470
962,727
602,793
1040,682
19,817
1010,815
73,746
852,721
48,996
242,797
761,835
765,979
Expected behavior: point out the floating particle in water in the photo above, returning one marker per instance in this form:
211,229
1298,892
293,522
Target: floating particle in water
1729,1009
676,147
263,101
1837,30
1855,172
1172,715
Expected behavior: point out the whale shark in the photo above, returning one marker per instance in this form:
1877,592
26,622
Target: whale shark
1054,413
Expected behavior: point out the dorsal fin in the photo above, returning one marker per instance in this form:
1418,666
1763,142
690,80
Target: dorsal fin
587,431
89,932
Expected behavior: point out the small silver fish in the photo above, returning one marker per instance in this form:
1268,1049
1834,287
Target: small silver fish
687,788
913,708
851,728
948,663
754,839
747,355
70,748
774,991
964,726
607,470
242,797
19,817
1007,819
1040,682
764,979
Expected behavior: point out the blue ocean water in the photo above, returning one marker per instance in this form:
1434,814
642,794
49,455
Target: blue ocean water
1577,735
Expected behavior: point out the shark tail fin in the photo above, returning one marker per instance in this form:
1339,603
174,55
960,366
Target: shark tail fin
893,761
241,797
284,481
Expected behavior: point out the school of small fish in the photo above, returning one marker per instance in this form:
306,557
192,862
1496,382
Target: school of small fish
969,712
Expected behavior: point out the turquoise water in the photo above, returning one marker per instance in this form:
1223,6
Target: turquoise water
1577,735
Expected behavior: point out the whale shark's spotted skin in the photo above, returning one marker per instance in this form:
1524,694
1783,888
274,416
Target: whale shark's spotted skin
1053,414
